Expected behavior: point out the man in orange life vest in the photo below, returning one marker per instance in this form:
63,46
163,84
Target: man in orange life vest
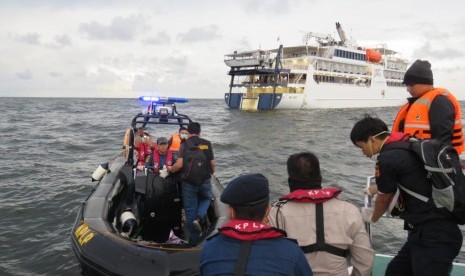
175,141
340,232
430,112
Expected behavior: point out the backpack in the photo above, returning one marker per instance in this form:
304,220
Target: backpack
196,166
443,170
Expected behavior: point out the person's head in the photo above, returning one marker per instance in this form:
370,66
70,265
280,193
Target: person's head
140,131
183,133
193,128
368,134
419,78
303,170
162,144
248,197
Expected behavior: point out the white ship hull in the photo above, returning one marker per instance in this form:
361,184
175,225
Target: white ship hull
328,74
335,96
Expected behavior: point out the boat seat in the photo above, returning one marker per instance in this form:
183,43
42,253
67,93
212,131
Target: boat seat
160,206
140,182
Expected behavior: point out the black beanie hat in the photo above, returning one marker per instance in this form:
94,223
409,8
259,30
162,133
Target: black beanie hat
419,73
248,189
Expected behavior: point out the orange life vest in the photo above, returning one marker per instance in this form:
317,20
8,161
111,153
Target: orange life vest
416,118
175,142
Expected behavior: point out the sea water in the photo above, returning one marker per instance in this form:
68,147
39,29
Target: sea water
49,148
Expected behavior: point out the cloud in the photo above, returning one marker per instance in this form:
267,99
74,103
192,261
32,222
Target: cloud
120,28
426,51
55,74
63,40
207,33
25,75
159,39
242,45
29,38
270,6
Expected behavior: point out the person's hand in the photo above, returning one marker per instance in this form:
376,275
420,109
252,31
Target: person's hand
164,172
367,213
366,191
140,168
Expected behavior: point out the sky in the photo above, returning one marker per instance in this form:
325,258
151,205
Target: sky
125,49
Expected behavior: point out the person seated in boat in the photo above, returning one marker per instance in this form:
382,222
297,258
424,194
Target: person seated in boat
175,141
161,159
340,232
246,245
161,196
434,238
143,145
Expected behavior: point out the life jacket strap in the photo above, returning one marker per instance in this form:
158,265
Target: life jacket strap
244,252
320,244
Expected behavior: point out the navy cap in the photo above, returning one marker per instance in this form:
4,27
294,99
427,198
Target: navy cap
162,140
248,189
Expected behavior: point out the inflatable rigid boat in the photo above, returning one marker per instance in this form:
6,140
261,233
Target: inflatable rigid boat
132,222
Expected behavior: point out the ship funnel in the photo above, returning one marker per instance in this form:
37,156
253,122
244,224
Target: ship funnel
341,33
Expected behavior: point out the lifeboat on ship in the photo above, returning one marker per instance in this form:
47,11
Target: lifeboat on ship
373,56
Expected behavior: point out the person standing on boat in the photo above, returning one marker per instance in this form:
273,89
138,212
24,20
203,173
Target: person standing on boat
196,196
340,233
246,245
434,238
175,141
430,112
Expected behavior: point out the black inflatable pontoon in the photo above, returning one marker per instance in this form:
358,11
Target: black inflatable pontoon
101,240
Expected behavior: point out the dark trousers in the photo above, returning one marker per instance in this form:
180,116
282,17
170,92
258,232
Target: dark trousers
429,250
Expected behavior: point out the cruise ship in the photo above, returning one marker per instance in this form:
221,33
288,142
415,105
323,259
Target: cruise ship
321,73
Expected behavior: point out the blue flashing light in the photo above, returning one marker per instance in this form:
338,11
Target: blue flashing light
163,99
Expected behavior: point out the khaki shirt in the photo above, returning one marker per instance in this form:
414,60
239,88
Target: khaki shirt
343,228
